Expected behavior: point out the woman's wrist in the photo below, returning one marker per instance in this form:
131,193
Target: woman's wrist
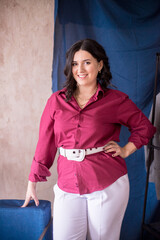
128,149
32,184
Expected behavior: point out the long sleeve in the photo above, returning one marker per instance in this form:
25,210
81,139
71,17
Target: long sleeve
138,124
46,149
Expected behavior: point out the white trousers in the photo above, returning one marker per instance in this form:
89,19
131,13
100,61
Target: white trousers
97,216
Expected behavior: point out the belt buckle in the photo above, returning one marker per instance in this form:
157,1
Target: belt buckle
76,154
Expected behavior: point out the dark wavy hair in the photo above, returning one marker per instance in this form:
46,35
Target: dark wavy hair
98,52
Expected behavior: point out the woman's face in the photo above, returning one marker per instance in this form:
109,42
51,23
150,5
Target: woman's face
85,68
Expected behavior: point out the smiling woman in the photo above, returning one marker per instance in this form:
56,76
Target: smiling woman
85,69
83,120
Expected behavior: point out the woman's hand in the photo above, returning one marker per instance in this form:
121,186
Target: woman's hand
123,152
31,194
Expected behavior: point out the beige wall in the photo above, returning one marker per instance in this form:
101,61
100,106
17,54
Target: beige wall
26,52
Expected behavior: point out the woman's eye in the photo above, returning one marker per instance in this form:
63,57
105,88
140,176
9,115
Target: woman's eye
87,63
74,64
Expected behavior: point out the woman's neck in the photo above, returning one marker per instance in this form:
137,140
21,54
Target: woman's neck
86,92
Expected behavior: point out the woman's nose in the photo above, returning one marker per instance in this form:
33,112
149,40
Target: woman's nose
80,68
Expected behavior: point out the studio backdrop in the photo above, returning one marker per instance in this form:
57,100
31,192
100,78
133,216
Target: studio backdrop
130,33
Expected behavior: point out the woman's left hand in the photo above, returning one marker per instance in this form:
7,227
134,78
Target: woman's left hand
123,152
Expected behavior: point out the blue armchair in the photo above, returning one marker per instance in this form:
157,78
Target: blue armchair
30,223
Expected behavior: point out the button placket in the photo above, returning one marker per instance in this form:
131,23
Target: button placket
78,132
76,183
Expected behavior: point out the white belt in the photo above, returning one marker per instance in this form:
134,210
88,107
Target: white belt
79,154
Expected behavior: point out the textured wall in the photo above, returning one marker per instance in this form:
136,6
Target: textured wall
26,50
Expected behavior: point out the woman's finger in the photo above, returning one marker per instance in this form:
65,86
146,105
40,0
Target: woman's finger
27,200
110,144
25,204
111,150
36,200
31,194
113,147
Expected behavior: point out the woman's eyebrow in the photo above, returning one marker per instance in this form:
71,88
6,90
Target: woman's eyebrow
86,60
82,60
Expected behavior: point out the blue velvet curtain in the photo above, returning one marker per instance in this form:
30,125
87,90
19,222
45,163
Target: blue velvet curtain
130,34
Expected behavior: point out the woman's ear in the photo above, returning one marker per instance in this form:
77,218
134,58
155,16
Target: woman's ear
100,65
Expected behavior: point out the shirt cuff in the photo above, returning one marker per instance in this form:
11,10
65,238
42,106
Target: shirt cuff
39,172
140,141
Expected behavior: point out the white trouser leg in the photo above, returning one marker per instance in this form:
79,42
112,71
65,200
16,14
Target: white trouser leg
99,213
106,210
69,216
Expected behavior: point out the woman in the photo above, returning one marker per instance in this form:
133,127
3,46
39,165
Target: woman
83,121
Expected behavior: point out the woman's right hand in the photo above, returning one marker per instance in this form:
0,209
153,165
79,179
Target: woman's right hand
31,194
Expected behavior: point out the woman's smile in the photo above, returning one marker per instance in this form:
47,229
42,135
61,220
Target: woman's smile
82,76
